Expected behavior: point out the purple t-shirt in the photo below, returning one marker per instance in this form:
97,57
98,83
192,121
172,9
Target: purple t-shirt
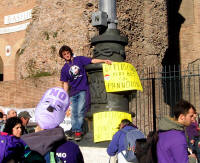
75,74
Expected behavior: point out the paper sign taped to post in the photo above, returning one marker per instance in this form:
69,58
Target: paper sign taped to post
106,124
121,76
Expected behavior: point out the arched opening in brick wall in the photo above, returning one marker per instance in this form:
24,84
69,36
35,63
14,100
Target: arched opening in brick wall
171,60
1,69
175,20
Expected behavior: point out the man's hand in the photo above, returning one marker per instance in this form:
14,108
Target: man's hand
108,62
192,141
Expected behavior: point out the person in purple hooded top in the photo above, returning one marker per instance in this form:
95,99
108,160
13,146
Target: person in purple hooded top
172,144
49,137
74,78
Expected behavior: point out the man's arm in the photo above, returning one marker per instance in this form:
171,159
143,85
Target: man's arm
113,147
101,61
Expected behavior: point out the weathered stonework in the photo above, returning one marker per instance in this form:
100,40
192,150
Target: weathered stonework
147,38
69,22
55,23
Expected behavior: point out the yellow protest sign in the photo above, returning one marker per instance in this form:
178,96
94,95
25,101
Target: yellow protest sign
106,123
121,76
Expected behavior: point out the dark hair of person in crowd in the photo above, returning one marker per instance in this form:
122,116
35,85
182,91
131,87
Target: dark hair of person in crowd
65,48
182,107
126,122
11,123
1,115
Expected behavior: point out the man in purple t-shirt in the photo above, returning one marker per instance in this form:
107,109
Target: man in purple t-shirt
74,78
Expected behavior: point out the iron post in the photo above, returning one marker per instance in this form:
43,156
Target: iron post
109,44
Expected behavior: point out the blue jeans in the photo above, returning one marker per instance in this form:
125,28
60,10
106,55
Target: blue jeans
78,111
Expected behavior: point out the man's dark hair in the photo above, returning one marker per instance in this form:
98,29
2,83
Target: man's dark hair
182,107
65,48
11,123
1,115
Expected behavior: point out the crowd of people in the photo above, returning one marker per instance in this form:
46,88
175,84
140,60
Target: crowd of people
48,143
175,141
23,117
178,136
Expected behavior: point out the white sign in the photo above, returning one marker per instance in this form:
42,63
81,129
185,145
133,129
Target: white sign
16,28
8,50
66,124
18,17
30,110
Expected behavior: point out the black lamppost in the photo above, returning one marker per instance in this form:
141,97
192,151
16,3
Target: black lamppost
107,45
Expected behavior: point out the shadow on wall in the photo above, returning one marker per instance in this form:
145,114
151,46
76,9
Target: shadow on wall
171,60
1,77
1,69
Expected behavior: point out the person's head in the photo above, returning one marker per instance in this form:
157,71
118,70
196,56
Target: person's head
194,117
66,53
13,126
50,111
1,116
184,112
12,113
4,117
25,117
126,122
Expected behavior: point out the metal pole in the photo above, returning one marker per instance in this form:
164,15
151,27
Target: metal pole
154,103
109,44
109,6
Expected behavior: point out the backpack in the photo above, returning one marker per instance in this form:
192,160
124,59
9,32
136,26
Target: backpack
129,142
145,150
10,148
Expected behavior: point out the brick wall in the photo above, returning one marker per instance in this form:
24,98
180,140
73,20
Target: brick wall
190,32
25,93
14,39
